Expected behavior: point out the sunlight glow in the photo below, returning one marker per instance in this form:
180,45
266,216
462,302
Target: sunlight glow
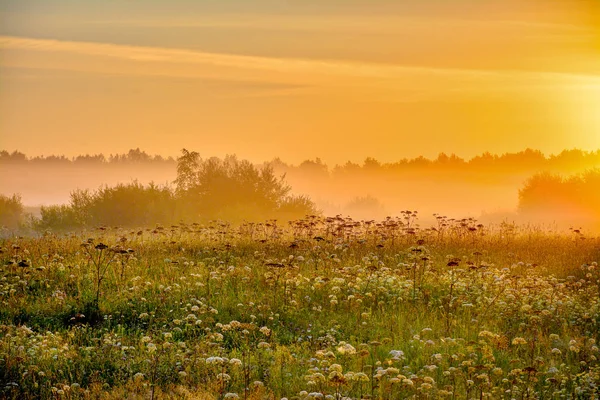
585,113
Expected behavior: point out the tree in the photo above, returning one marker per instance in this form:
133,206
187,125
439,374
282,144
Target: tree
233,189
574,199
187,171
11,211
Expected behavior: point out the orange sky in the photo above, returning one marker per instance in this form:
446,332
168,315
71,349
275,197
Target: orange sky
341,80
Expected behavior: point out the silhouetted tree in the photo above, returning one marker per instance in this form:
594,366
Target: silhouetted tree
575,198
232,189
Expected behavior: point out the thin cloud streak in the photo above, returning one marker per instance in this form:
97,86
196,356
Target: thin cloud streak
349,23
173,55
397,82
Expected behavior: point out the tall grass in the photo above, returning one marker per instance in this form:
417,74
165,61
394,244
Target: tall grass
317,308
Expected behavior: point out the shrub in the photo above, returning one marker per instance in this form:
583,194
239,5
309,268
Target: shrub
227,189
294,207
58,218
128,205
365,207
11,211
234,190
575,198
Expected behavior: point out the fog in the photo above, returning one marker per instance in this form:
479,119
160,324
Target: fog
40,184
485,187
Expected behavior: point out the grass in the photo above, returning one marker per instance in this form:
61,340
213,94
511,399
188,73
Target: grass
320,308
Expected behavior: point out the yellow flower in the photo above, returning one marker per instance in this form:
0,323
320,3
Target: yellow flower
518,341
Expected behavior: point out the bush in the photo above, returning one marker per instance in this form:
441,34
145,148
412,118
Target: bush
228,189
58,218
11,211
128,205
575,199
294,207
366,207
234,190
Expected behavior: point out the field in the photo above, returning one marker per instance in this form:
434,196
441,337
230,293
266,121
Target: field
318,308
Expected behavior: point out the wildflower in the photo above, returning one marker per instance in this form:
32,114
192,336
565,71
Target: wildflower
345,348
397,354
224,377
361,377
335,367
518,341
265,331
487,334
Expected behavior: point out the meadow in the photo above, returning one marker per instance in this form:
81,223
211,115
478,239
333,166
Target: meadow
317,308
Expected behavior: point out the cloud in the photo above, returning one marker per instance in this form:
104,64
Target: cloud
184,56
373,80
342,23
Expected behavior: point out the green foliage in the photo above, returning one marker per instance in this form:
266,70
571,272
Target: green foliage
229,189
234,190
330,306
11,211
293,207
58,218
128,205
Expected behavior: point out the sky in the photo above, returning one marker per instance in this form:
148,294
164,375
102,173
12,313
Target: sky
298,79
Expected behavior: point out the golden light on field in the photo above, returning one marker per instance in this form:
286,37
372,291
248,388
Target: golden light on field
303,199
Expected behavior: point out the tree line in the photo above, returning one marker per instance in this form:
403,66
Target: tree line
526,160
205,189
236,190
132,156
